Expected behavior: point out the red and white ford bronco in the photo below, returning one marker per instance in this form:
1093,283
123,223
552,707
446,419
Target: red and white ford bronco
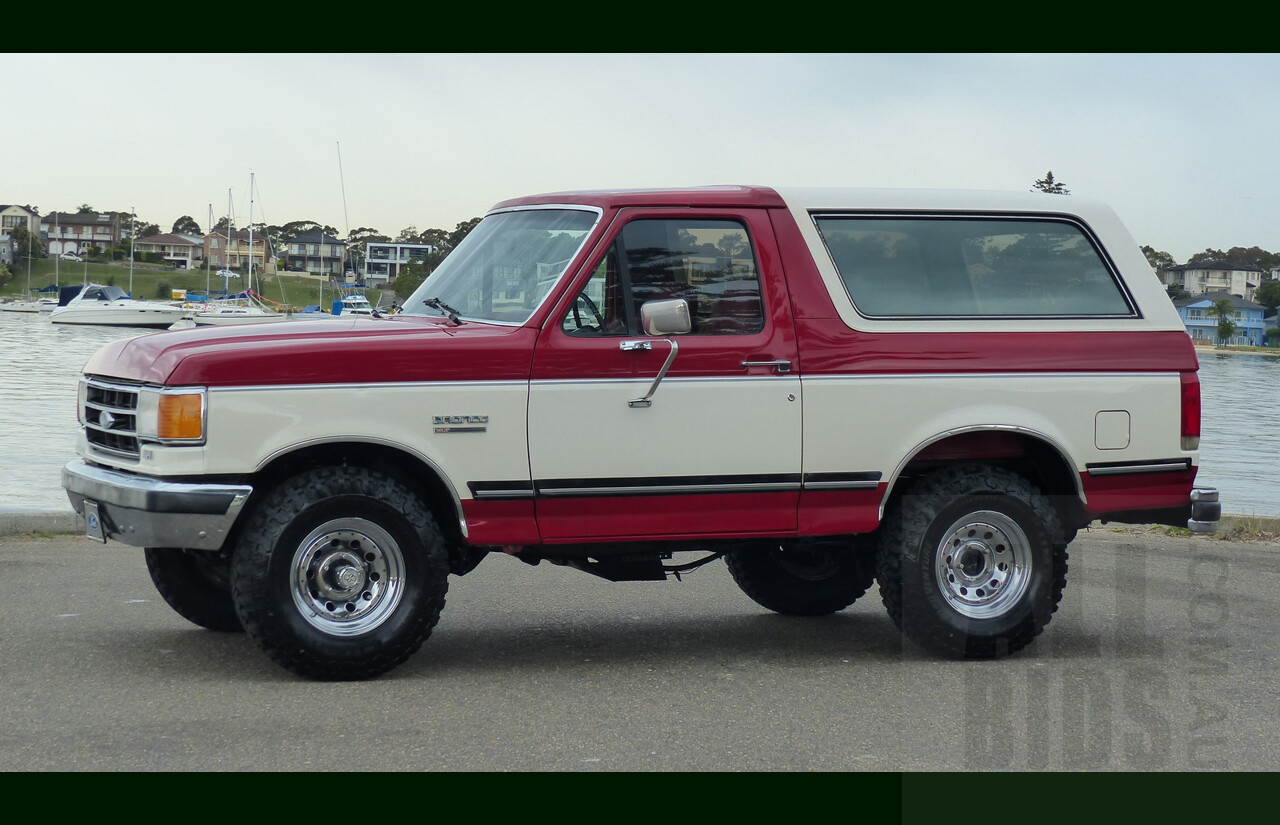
825,388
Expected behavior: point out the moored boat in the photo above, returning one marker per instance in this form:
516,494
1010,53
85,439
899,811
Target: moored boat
104,305
244,308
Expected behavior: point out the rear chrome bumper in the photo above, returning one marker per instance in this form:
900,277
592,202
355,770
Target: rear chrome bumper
147,512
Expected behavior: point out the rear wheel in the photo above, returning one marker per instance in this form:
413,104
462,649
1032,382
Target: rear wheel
196,585
812,577
340,574
973,562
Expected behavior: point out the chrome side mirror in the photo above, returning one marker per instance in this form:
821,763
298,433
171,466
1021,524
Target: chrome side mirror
668,317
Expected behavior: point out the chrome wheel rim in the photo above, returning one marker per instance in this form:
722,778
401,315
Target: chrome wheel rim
983,564
347,577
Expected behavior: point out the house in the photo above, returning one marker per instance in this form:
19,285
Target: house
79,232
1202,324
383,261
1215,276
231,250
13,215
183,251
317,252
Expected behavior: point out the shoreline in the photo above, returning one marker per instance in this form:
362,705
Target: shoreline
1270,352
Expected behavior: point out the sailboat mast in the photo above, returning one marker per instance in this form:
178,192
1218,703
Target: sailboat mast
250,281
133,242
206,257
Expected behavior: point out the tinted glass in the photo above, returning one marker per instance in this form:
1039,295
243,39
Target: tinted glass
708,263
964,267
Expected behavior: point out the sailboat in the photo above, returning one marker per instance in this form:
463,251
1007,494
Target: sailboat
31,305
245,307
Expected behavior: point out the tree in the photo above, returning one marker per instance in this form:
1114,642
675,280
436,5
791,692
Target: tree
1253,256
459,232
26,245
294,229
358,240
186,225
1225,310
1268,294
411,277
1160,261
1048,184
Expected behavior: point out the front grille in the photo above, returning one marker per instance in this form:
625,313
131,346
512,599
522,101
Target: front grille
111,417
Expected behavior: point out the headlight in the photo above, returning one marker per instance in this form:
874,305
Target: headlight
172,415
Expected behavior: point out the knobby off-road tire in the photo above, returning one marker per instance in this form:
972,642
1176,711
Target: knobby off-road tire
972,562
195,586
803,578
340,574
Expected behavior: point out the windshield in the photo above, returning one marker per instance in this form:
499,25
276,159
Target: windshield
506,265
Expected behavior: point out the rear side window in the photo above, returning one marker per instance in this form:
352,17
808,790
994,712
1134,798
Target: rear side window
953,267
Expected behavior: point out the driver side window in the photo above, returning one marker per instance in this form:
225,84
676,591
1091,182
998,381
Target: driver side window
598,308
709,263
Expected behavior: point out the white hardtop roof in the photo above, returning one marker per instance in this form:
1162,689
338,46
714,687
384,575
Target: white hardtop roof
820,198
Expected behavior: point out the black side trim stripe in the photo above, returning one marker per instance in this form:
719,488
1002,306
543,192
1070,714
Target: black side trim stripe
500,489
1116,468
672,485
841,481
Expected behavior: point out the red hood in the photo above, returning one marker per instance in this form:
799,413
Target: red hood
321,352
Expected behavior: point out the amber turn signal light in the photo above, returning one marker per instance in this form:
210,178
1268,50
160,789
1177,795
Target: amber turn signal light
181,416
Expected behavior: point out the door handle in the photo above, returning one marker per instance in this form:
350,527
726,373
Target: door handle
781,367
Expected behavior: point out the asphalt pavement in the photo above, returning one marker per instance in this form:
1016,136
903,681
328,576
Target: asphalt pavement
1162,657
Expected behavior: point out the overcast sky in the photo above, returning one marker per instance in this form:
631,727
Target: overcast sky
1183,147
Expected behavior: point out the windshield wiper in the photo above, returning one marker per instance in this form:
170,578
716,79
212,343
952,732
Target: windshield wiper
450,312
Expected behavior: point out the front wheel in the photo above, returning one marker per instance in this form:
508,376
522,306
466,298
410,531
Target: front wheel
341,574
973,562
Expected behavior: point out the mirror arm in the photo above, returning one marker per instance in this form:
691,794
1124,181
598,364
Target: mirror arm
646,400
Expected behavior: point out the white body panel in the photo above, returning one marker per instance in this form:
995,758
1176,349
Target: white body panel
694,427
248,427
876,422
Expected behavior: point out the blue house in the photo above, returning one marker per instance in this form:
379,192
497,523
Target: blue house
1203,324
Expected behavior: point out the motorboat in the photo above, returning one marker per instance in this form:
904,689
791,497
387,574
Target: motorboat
105,305
352,303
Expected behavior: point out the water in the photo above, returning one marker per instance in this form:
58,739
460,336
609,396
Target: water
1240,436
40,363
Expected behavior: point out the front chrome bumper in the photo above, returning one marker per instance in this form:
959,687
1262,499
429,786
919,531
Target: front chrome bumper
147,512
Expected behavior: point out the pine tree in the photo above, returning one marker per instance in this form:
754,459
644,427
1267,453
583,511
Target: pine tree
1048,184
